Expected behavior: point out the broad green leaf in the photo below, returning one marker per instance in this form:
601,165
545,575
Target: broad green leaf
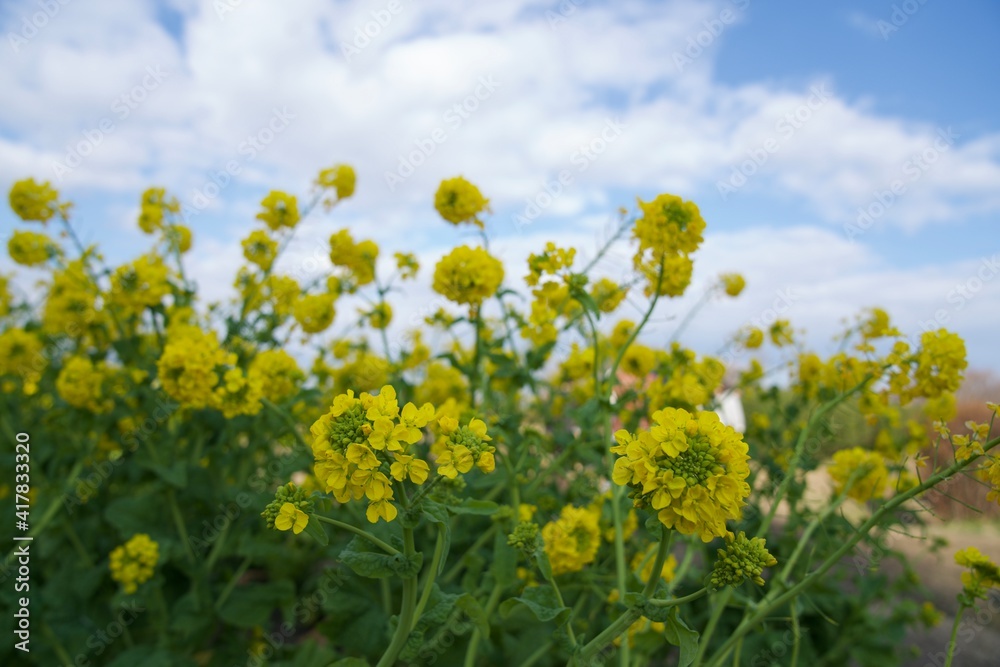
251,605
541,601
363,557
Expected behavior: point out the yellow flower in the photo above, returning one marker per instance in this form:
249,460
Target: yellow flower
983,573
278,372
753,338
340,178
865,470
141,284
291,518
280,210
457,459
940,363
357,258
33,201
458,201
314,312
990,473
31,248
407,265
733,283
380,509
21,355
608,295
408,466
179,237
689,468
80,383
260,249
468,275
572,540
187,367
133,563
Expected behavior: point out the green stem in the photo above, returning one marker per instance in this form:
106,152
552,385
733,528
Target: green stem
491,603
476,546
389,549
776,598
232,583
407,608
622,623
538,654
432,573
673,602
954,635
175,511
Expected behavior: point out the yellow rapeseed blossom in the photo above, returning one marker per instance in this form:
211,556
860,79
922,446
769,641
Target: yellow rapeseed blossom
239,393
753,338
291,518
689,468
572,540
260,249
340,178
279,373
81,384
864,469
314,312
153,209
407,265
280,209
468,275
141,284
669,225
733,283
458,201
608,295
357,258
31,248
187,367
362,436
6,299
33,201
178,237
990,473
940,364
21,356
982,575
133,563
462,447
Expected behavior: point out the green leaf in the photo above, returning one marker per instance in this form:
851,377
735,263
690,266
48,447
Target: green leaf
504,567
476,507
250,606
361,556
315,530
541,601
476,613
311,654
544,565
678,633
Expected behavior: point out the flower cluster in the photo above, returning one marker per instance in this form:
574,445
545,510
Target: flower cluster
689,468
289,510
339,178
861,472
33,201
669,230
81,384
982,573
365,442
460,202
279,210
572,540
743,558
357,258
133,563
468,275
31,248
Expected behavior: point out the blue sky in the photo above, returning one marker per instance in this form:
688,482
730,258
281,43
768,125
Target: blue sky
833,103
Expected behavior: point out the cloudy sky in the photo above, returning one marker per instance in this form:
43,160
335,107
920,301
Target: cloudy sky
844,155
